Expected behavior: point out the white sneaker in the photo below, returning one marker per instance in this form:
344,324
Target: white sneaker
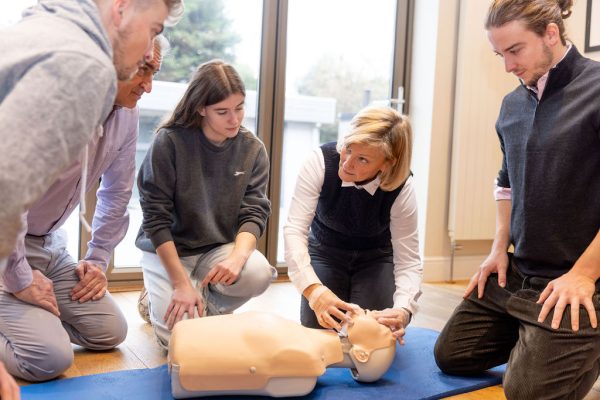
143,306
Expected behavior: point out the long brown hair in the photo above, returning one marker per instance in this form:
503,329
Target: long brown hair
213,82
536,14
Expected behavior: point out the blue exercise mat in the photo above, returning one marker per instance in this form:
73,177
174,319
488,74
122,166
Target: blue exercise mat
413,375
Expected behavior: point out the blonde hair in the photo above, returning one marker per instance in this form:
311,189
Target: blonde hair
389,130
536,14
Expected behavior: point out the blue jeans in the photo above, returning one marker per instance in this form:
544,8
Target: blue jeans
502,327
363,277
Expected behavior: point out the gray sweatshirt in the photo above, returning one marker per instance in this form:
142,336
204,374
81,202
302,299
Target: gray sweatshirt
57,86
200,195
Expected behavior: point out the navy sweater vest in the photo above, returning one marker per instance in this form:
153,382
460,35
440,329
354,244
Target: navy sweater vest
348,217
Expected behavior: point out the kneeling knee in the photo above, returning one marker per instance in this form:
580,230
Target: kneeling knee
113,334
55,360
442,359
117,333
450,362
258,280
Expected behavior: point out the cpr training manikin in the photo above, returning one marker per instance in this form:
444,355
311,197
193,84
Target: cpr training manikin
256,353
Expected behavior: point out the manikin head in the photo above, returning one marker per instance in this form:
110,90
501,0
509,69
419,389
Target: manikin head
372,347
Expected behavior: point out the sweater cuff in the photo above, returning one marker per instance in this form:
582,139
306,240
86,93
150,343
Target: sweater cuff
405,301
98,257
252,228
160,237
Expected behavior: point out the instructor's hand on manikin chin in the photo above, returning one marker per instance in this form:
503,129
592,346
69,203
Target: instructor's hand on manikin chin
394,318
327,305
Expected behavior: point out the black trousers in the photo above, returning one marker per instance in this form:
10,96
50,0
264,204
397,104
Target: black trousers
363,277
502,327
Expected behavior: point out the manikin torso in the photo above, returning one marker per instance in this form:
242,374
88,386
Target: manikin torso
256,353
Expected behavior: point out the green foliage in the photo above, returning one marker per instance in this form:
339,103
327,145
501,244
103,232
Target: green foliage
331,76
204,33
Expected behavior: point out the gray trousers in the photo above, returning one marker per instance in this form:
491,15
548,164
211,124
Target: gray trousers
254,279
35,345
502,327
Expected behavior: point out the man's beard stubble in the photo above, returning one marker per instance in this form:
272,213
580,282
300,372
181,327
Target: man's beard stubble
124,72
542,67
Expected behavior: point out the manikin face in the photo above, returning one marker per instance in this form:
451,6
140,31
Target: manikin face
129,92
526,54
361,162
222,120
136,28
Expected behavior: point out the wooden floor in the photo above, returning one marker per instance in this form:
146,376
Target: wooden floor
141,351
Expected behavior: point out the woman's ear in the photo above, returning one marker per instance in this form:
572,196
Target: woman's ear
387,165
202,111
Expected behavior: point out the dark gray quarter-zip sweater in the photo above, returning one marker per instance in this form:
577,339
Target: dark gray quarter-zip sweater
552,163
200,195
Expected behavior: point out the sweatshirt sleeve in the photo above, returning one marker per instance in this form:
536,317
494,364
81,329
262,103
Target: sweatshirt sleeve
156,184
48,115
256,207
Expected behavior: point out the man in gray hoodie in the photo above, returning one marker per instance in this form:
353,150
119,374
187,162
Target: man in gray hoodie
58,74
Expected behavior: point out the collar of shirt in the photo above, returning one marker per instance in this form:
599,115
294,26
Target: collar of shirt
370,187
541,83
